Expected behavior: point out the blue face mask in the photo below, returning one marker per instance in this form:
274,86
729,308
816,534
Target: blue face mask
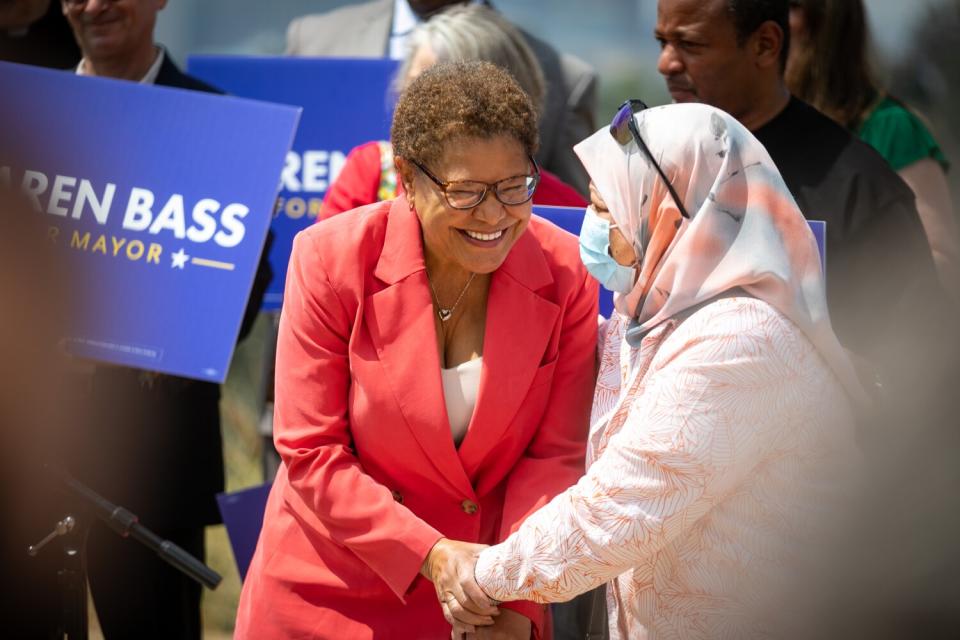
595,253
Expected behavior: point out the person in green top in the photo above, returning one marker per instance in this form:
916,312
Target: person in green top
827,67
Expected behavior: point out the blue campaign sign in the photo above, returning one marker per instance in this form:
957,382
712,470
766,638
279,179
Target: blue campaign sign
159,199
819,228
242,513
571,219
345,103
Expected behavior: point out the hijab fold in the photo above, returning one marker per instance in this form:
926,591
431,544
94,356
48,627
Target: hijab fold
745,229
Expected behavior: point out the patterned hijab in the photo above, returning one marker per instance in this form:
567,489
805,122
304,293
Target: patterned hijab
745,229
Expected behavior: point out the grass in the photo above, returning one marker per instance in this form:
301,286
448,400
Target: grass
241,405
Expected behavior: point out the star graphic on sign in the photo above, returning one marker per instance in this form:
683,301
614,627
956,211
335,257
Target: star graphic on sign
179,259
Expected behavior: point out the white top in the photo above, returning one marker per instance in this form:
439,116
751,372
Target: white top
404,22
460,387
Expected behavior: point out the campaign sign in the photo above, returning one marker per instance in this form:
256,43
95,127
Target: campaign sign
160,200
571,219
242,513
345,103
819,228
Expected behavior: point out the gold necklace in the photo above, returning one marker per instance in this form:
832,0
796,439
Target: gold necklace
445,314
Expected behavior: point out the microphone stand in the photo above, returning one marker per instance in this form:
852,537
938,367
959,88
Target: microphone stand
72,530
71,577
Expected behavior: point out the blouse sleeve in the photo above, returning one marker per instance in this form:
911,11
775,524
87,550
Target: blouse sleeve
704,420
900,137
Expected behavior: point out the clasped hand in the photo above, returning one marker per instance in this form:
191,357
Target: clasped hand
450,566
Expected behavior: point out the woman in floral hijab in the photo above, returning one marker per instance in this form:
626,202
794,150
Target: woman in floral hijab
722,421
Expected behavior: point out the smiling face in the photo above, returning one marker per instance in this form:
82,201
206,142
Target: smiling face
479,239
112,28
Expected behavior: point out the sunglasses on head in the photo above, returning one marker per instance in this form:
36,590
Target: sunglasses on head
623,128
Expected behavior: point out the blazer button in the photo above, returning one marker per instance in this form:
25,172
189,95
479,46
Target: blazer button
469,507
397,496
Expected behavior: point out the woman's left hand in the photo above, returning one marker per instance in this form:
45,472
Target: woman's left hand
510,625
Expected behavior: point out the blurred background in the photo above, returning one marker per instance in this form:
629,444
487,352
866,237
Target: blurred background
915,56
915,53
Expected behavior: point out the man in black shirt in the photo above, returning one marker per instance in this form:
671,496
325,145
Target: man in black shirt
731,54
876,248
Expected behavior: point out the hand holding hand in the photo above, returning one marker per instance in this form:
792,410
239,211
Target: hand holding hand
450,565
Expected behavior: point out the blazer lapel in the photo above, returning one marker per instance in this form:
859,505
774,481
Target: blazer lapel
401,325
519,325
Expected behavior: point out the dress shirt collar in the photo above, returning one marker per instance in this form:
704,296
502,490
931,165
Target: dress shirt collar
149,78
404,22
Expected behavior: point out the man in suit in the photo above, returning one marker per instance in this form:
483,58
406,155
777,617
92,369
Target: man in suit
153,444
379,28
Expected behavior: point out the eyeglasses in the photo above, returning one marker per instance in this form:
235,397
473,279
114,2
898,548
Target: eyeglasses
623,128
467,194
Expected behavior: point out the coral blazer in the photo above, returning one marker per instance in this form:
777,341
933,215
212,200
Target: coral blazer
371,478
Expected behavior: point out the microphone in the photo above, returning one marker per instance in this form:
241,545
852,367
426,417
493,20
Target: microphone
126,524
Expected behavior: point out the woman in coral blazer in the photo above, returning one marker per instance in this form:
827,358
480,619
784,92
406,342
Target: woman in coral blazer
373,480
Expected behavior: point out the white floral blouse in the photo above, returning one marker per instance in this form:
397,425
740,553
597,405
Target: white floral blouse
712,456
